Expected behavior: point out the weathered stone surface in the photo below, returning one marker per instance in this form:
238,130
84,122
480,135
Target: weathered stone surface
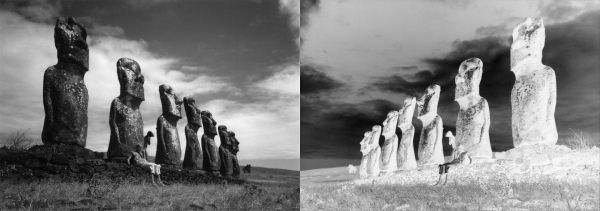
226,156
406,152
235,150
65,96
371,161
533,97
210,150
125,118
389,150
430,143
168,147
473,121
193,153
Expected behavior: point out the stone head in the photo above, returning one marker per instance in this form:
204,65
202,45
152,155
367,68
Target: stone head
449,134
407,111
150,134
376,133
232,134
429,102
130,78
468,78
192,112
171,104
364,143
210,125
390,123
528,41
70,42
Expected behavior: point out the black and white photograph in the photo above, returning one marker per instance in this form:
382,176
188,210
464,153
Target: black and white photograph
346,105
450,105
149,105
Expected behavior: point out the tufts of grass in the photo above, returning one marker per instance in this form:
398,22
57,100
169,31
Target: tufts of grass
578,141
18,140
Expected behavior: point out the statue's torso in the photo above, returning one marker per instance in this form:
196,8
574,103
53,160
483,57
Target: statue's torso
168,139
130,129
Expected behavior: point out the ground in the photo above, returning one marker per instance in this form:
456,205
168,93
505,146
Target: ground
529,178
264,189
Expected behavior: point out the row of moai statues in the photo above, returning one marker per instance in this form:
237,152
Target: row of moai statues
533,101
65,99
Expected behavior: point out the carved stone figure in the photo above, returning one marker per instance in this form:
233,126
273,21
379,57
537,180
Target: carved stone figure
210,150
430,143
226,156
193,153
168,147
389,150
125,119
371,162
65,95
533,97
147,142
473,121
406,152
235,150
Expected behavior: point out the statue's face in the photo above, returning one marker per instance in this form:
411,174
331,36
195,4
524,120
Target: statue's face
428,103
70,41
192,112
210,125
171,104
528,40
468,78
390,124
364,143
407,111
130,78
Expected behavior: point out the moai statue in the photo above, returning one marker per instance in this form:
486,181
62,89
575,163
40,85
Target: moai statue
364,149
125,118
374,165
406,152
168,147
473,121
430,143
369,146
65,95
235,150
389,150
210,150
147,142
533,97
225,154
193,153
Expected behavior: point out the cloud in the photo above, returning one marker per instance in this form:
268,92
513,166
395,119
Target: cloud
34,10
307,7
313,81
557,11
292,9
284,83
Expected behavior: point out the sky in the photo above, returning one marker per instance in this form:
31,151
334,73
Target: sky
238,59
361,59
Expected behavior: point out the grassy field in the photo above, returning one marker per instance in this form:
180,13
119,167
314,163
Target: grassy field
551,178
267,189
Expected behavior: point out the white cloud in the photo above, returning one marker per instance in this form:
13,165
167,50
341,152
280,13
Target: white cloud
267,128
292,9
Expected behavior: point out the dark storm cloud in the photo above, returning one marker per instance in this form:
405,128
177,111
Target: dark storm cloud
313,81
34,10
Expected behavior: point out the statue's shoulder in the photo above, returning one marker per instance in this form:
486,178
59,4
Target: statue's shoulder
161,120
549,72
50,71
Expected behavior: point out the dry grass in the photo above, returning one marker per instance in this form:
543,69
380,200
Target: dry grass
542,195
103,194
579,140
18,140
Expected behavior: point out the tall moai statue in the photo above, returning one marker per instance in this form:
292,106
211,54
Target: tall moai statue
473,121
430,143
125,118
225,154
210,150
65,95
364,149
235,149
168,147
406,152
192,158
389,150
371,163
533,97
